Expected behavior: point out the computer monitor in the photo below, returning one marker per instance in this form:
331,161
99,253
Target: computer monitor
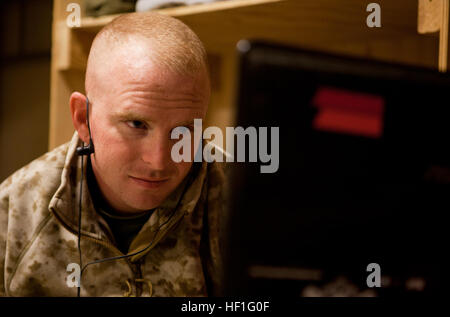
363,185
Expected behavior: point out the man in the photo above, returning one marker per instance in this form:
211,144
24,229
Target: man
146,75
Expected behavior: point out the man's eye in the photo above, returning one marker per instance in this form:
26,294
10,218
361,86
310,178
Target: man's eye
136,124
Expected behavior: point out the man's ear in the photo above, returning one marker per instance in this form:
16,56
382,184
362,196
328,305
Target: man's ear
78,111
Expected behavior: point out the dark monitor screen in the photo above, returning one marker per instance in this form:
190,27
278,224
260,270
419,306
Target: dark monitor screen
363,177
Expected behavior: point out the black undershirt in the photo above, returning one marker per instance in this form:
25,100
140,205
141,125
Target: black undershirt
124,228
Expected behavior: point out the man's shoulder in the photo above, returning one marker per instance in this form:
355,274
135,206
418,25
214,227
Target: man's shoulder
218,170
39,173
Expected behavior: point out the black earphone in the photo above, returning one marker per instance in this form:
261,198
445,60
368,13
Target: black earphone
87,150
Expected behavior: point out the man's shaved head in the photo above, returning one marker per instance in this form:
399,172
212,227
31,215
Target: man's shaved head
163,40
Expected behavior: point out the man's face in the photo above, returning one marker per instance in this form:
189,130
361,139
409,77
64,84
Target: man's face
134,109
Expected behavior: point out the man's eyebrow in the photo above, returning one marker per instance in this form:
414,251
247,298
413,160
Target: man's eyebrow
129,115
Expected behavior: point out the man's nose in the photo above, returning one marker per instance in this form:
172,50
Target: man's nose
156,151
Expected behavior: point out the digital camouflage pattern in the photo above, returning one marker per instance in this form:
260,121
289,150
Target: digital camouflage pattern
38,235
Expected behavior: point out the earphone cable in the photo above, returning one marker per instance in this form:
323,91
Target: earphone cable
79,226
132,254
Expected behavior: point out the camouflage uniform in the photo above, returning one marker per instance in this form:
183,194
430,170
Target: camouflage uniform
39,227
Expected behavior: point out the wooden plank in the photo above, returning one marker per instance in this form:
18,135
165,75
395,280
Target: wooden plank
443,37
321,24
429,16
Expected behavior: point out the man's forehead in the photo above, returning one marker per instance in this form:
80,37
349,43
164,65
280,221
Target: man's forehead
144,74
134,57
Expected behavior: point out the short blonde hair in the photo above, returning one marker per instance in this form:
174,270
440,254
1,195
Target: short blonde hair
173,43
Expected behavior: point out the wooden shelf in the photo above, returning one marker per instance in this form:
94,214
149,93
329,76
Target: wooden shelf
333,26
92,24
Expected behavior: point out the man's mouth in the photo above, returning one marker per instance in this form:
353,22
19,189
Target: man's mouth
149,183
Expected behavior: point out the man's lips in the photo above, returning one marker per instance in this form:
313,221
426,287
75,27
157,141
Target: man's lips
149,183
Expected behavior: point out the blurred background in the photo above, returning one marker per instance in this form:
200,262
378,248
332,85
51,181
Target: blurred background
25,82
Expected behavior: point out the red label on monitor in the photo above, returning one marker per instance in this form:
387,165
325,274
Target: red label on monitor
349,112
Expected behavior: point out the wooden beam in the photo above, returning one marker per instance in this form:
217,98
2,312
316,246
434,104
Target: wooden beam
433,17
443,37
